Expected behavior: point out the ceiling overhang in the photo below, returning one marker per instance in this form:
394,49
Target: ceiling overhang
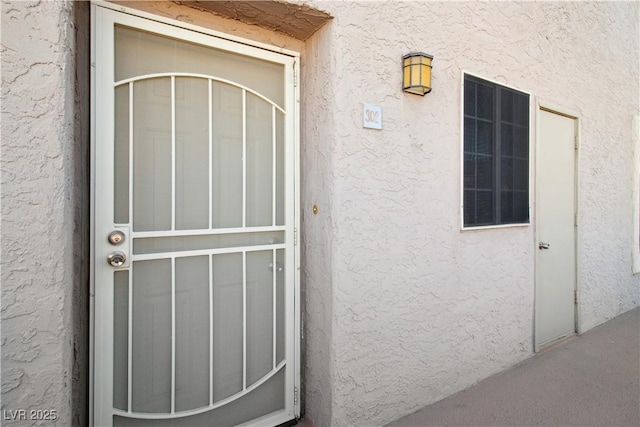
295,19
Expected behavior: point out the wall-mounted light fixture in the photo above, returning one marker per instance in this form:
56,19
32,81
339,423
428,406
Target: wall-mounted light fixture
416,69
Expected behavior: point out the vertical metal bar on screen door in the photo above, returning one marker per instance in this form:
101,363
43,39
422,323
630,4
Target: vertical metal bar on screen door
244,157
173,152
273,309
173,334
273,166
130,271
129,340
210,153
210,328
244,320
130,219
173,260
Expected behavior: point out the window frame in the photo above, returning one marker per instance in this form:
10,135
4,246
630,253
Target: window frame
528,223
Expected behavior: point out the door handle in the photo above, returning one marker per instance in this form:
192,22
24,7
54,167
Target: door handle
116,259
543,245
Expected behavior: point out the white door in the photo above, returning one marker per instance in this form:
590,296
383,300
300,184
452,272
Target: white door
555,227
194,258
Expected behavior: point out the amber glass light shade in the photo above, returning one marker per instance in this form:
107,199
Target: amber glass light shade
416,76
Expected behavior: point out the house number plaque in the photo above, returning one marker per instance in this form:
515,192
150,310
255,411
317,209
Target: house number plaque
372,116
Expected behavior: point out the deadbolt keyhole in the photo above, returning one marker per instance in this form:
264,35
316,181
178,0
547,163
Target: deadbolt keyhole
116,237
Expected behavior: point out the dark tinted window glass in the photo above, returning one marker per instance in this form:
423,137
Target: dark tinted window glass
485,102
520,175
506,140
484,172
469,206
521,109
506,170
496,186
469,170
506,102
469,134
521,142
470,98
521,206
485,207
506,205
485,137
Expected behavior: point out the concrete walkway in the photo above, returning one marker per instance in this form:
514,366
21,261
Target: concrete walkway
589,380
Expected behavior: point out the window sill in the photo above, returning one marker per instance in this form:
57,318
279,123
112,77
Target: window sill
493,227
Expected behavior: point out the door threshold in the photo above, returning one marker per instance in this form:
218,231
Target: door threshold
289,423
556,342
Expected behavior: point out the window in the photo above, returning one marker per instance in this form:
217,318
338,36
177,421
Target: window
496,154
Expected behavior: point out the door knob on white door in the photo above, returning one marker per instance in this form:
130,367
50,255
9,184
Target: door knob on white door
543,245
116,259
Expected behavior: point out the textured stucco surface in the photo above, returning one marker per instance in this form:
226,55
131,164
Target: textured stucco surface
207,19
401,307
291,18
418,309
44,211
319,136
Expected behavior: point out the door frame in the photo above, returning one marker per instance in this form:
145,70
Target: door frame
548,107
292,91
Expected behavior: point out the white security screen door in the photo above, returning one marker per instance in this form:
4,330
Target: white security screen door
194,225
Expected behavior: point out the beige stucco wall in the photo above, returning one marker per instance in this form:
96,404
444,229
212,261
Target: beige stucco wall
318,185
401,307
418,309
207,19
44,212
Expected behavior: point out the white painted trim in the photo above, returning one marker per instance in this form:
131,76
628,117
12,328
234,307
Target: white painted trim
461,160
92,201
557,109
493,227
195,28
461,152
636,195
578,235
293,91
102,327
